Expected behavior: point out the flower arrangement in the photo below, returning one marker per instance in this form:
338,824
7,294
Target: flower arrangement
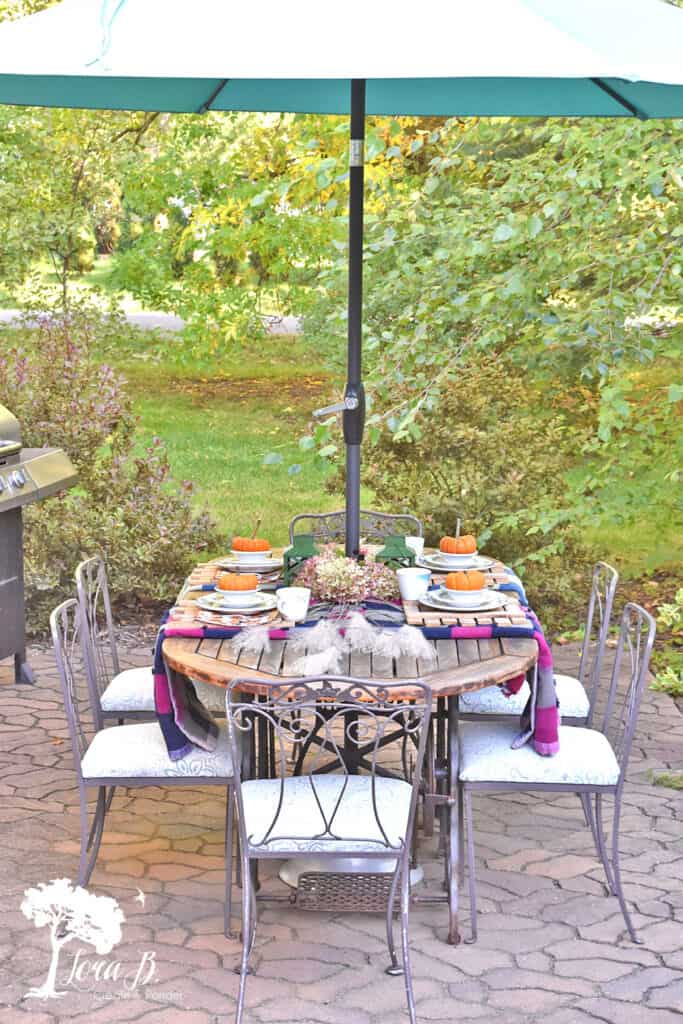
332,576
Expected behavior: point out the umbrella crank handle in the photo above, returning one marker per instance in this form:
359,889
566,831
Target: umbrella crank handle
350,402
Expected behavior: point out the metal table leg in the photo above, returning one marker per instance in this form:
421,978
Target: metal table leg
453,837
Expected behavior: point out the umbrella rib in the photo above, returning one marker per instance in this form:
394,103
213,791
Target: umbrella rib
206,105
621,100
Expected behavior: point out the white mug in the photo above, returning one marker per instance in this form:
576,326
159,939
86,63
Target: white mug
417,544
413,583
292,602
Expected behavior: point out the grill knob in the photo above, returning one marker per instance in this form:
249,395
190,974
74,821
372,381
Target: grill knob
17,479
2,484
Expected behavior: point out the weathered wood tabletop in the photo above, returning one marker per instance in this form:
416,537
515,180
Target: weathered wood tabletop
459,665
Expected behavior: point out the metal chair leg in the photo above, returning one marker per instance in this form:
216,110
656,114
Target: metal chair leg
405,907
616,872
110,797
461,837
247,937
85,869
227,905
599,836
470,867
429,786
394,967
586,805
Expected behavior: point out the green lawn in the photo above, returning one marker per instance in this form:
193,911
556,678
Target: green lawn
218,429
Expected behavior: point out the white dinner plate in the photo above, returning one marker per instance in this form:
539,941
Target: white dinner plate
265,565
436,563
215,603
491,602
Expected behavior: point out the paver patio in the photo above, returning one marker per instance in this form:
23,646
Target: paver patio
551,945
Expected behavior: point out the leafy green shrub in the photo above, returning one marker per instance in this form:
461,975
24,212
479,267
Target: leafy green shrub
670,675
125,504
492,453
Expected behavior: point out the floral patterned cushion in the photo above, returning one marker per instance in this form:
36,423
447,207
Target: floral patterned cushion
492,701
300,820
133,690
585,757
139,751
130,690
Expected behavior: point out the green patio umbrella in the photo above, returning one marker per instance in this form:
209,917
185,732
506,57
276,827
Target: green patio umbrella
592,58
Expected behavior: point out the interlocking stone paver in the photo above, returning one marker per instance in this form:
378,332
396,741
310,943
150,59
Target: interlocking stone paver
552,946
628,1013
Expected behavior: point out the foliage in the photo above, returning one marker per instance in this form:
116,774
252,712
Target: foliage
125,505
555,242
670,675
492,454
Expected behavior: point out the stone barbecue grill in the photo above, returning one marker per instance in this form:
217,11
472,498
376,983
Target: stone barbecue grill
26,475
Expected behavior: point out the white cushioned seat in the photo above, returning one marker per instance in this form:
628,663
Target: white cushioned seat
300,818
492,701
130,690
585,757
139,750
133,690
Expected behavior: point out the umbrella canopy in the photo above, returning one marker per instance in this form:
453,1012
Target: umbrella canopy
492,57
592,58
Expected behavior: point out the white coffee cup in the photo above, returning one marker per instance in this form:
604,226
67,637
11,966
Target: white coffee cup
417,544
292,602
413,583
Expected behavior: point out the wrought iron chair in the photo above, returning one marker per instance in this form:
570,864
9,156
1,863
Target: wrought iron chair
128,693
576,694
591,762
124,755
326,814
326,527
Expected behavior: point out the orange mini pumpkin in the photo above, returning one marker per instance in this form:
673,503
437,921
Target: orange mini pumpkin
465,545
465,581
233,581
250,544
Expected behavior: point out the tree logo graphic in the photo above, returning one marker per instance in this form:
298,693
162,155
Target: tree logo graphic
70,912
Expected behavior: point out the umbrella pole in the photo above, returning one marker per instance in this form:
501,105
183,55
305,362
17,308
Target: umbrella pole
354,396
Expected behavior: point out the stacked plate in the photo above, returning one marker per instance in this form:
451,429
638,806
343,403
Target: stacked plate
260,562
232,602
439,561
463,600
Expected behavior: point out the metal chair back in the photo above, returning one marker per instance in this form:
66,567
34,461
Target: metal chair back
100,637
634,648
603,586
327,527
345,715
67,627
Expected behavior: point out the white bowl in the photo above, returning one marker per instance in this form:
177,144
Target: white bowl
463,598
455,561
238,598
251,557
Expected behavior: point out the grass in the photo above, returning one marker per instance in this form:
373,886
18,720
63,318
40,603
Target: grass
672,780
218,429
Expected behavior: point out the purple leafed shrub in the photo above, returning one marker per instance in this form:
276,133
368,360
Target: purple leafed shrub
126,505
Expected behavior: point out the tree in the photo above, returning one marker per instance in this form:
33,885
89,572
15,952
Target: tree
70,912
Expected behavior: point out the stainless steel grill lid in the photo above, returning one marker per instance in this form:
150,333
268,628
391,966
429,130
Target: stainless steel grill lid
26,475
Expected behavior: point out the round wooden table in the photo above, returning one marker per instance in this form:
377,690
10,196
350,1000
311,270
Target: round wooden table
459,666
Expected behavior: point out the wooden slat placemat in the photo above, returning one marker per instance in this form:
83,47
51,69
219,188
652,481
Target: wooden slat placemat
496,574
510,614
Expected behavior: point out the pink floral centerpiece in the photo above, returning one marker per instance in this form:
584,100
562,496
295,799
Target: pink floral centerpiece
331,576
